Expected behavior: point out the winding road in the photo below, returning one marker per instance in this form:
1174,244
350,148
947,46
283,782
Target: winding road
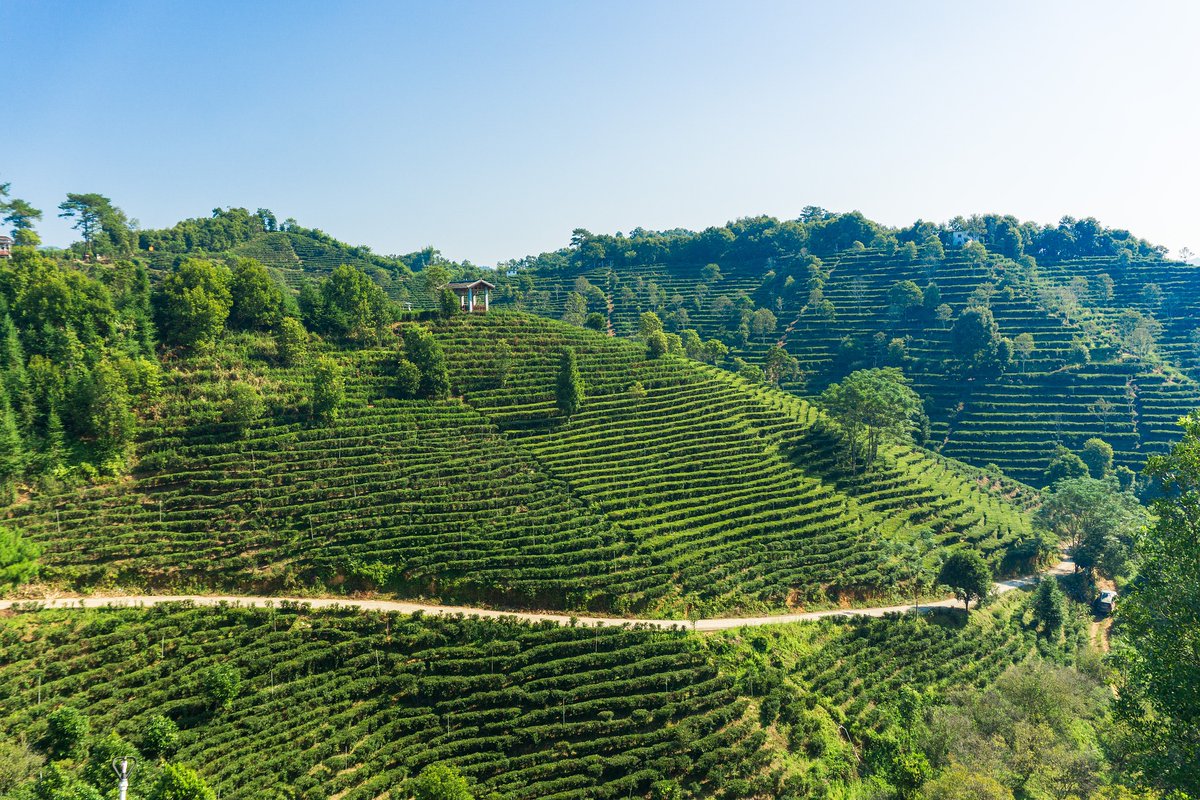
1064,567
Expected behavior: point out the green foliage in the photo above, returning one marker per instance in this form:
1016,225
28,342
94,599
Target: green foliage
423,350
66,733
440,782
904,297
347,305
449,303
1158,702
104,227
18,558
243,407
595,321
178,782
1049,606
407,380
102,751
657,344
968,575
257,301
877,402
193,303
18,765
976,339
220,684
1097,455
110,417
1064,466
569,387
576,309
1097,520
328,389
159,737
291,342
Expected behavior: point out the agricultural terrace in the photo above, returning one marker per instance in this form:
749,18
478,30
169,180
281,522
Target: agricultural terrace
698,493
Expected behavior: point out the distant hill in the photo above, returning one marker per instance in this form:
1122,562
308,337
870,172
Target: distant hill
1115,341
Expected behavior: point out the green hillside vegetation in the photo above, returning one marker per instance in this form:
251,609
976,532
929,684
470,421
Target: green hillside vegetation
351,704
700,493
1075,336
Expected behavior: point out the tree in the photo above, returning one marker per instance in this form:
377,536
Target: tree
780,365
256,300
12,449
1097,455
193,303
66,733
159,737
763,323
291,342
348,305
449,303
968,575
1098,521
975,337
878,402
18,558
110,416
575,311
1158,699
407,379
220,685
177,782
440,782
657,344
903,297
648,325
94,214
329,389
1064,465
1048,606
595,321
569,388
1023,347
21,215
243,407
423,350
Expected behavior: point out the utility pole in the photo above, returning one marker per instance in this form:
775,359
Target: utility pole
121,766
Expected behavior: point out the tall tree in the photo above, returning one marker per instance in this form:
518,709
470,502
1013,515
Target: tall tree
1159,698
569,388
22,215
193,303
423,350
877,402
95,214
329,389
256,299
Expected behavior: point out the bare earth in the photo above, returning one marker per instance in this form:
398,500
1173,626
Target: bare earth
1064,567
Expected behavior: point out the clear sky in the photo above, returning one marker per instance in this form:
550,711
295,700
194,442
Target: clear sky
490,130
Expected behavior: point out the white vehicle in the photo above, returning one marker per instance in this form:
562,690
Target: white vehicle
1106,603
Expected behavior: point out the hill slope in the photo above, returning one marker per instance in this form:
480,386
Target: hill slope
700,494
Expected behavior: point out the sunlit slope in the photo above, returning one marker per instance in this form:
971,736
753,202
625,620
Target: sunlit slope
677,489
347,704
1014,420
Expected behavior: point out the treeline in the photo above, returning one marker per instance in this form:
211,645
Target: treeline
823,233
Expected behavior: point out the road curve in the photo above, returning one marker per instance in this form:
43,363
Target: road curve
123,601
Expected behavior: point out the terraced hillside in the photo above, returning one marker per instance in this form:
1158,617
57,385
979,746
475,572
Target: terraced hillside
1014,420
345,704
341,703
697,493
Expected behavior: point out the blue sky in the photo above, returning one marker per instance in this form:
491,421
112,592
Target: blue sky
490,130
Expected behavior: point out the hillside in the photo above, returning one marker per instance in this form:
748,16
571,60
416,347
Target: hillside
701,493
834,309
349,704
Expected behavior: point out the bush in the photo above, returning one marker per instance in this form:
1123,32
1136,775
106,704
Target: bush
160,737
178,782
66,733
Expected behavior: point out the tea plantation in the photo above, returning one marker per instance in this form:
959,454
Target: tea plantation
699,493
339,703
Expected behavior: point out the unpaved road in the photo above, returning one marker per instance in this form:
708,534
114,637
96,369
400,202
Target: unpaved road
98,601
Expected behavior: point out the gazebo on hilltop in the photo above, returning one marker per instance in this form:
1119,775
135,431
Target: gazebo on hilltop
468,294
